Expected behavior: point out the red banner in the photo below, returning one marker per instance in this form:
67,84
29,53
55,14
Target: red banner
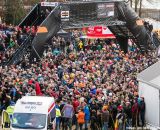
99,32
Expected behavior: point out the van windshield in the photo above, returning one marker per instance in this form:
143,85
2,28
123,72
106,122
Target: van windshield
28,121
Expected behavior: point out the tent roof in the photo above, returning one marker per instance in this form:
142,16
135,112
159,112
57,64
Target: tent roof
61,31
151,75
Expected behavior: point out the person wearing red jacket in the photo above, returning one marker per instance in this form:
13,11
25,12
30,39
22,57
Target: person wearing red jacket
135,114
75,103
38,89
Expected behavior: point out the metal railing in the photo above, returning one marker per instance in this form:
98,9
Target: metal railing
22,49
16,57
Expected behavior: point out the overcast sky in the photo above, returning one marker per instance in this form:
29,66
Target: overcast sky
155,4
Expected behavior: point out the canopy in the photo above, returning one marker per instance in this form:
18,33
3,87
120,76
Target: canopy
42,30
64,34
61,31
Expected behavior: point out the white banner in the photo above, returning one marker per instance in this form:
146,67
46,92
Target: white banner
51,4
105,10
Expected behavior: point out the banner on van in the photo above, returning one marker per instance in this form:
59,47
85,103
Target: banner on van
31,103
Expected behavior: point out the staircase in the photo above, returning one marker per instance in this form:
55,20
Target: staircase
24,48
21,52
123,31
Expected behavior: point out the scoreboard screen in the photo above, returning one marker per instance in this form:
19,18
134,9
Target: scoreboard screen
105,10
89,12
83,12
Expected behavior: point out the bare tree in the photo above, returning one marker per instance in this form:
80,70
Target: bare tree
138,5
131,2
140,8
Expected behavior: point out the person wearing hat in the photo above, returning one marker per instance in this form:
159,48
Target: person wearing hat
120,117
105,118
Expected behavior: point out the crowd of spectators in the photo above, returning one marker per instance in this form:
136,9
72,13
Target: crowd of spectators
11,38
93,81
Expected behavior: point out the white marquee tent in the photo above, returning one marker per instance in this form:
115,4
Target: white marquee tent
149,88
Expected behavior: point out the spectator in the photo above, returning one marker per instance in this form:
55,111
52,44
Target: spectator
128,112
68,112
87,115
105,118
81,116
58,115
142,111
95,78
135,113
94,125
121,118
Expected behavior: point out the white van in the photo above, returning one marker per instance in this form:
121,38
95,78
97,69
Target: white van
34,112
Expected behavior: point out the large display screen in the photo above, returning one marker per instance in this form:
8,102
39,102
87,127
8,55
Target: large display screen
105,10
89,12
83,12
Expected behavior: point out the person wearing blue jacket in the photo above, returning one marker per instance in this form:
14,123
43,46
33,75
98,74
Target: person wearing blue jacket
13,92
93,90
87,115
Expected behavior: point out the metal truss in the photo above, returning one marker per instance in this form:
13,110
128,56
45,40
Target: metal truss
87,24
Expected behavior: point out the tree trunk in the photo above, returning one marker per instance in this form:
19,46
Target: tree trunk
131,2
140,8
136,4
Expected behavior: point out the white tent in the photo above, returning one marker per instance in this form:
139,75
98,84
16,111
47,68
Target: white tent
149,88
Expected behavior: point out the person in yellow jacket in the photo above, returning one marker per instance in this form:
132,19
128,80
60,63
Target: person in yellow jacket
7,116
58,116
5,120
80,45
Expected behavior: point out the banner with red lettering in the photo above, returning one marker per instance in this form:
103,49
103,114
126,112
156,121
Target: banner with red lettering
98,32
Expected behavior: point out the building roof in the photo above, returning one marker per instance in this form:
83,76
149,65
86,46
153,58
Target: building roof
151,75
153,4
